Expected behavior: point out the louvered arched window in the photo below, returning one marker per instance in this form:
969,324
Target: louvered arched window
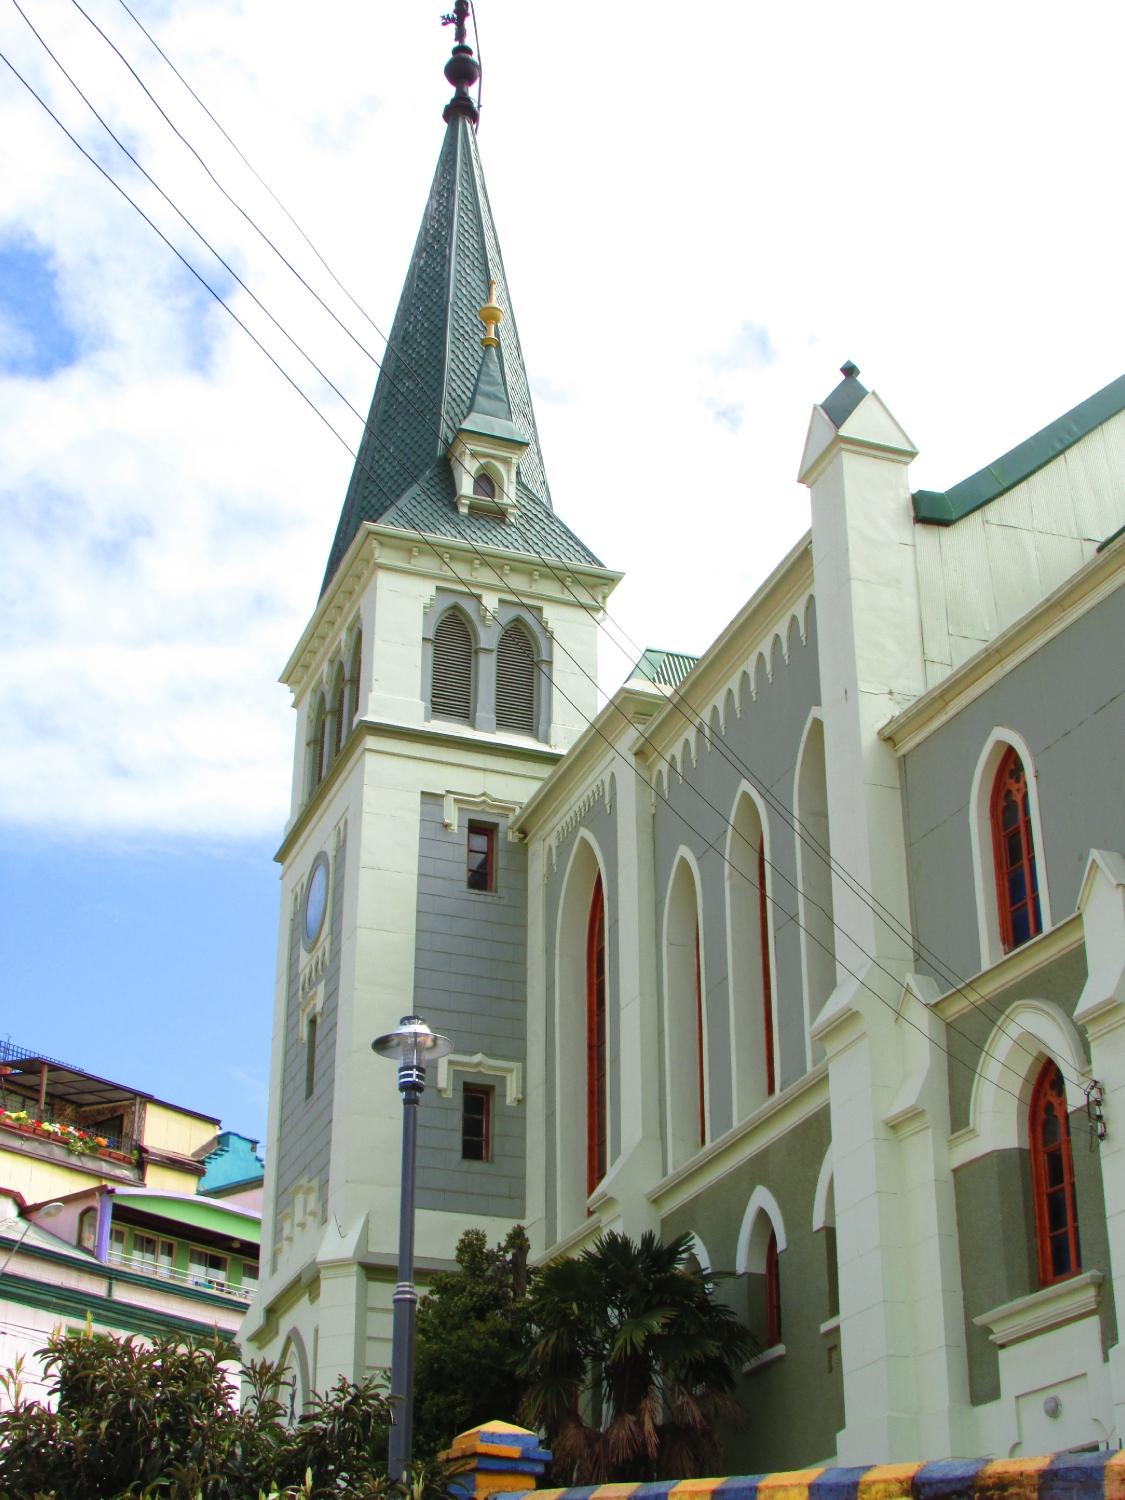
1017,878
515,681
484,485
1052,1173
353,675
451,687
340,726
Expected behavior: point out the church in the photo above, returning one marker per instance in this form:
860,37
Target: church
812,947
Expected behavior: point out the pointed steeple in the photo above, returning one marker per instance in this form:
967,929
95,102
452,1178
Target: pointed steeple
433,375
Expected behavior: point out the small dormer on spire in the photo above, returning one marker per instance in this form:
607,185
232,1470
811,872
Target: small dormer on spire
486,451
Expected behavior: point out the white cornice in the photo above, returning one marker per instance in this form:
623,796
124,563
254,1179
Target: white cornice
492,570
1093,582
1014,967
769,1122
774,600
1049,1307
590,758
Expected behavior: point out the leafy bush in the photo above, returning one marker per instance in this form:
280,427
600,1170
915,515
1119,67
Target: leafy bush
133,1419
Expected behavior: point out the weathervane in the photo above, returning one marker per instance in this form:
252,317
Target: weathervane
457,18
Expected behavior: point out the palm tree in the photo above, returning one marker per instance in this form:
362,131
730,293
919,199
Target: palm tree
631,1363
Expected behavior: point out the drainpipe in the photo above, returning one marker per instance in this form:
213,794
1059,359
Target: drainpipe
101,1233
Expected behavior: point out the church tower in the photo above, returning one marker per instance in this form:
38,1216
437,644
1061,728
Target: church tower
449,662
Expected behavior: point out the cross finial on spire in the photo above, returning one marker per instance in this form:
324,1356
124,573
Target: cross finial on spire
462,69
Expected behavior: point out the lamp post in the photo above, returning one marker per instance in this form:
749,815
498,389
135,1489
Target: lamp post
411,1044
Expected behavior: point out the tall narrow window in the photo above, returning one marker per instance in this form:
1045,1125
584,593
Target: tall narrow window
773,1294
767,980
1052,1173
596,1147
481,872
316,745
1017,880
476,1123
451,688
340,727
515,681
310,1057
484,485
699,1082
353,676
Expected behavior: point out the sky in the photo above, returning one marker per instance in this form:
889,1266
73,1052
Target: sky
704,212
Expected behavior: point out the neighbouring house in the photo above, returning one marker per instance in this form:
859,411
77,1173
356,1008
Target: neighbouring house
105,1220
812,947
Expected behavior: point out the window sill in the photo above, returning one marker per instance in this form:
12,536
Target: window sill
1050,1307
831,1325
767,1357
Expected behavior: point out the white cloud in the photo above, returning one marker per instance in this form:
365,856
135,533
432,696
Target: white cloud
851,183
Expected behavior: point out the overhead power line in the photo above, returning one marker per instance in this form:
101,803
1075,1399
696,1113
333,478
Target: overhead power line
505,583
883,914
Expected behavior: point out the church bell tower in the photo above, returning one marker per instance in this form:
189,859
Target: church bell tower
448,664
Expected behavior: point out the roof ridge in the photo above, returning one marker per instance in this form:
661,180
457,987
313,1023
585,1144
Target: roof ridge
944,507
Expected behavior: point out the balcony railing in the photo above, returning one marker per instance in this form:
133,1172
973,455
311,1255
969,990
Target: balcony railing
79,1140
201,1280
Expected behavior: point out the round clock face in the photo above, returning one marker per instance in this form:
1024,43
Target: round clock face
316,900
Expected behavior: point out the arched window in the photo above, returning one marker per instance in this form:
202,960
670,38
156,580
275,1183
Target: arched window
773,1294
596,1154
767,981
353,676
316,744
1013,848
339,706
814,874
484,485
684,1022
451,688
748,928
699,1078
1052,1175
515,680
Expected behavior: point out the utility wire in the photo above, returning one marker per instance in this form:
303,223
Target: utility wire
952,978
444,562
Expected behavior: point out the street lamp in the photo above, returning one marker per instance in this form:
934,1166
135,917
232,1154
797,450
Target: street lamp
411,1044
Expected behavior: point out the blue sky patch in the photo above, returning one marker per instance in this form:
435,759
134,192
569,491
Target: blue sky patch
35,338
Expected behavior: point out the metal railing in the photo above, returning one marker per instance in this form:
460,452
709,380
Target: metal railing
200,1280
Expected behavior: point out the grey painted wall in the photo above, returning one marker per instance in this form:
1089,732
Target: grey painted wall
305,1134
600,822
470,982
1068,703
794,1406
996,1233
761,745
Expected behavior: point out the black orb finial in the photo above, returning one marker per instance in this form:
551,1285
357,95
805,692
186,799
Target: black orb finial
462,69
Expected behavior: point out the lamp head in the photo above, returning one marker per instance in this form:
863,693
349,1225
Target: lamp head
412,1044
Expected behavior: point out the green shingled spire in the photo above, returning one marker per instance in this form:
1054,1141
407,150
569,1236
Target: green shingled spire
433,376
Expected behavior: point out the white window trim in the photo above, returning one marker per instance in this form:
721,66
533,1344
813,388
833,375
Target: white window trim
980,831
455,803
1049,1307
762,1201
476,1062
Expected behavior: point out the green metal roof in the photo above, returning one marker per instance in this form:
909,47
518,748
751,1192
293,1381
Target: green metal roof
220,1218
943,507
432,371
664,668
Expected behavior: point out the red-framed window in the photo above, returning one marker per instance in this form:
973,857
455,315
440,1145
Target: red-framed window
773,1294
476,1123
700,1083
481,870
1017,879
596,1143
1052,1176
767,977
